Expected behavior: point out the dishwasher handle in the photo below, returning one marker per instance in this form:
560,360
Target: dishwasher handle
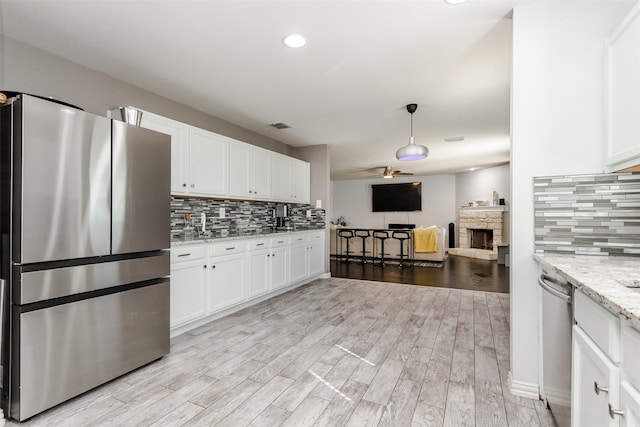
542,281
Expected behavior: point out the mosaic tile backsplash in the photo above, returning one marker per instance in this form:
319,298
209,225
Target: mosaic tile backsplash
240,216
588,214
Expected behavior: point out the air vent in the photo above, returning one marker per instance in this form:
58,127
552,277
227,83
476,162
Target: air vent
280,125
454,139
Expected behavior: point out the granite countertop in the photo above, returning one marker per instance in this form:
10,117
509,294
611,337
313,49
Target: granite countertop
225,235
613,281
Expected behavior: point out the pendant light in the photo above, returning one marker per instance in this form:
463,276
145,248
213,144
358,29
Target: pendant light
411,151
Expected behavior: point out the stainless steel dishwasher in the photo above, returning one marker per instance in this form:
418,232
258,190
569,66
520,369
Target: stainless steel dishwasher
556,303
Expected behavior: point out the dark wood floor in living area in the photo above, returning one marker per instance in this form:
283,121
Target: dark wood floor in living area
457,272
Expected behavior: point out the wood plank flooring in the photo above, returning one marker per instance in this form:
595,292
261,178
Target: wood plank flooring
336,352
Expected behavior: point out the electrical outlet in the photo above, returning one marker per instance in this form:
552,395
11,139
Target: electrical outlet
309,213
221,212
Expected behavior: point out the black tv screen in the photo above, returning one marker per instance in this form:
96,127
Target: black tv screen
396,197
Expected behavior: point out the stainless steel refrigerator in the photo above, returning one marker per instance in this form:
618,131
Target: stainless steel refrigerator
85,251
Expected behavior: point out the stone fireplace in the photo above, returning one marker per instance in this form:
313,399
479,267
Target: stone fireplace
481,231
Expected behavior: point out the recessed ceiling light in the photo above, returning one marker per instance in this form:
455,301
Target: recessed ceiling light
454,1
294,40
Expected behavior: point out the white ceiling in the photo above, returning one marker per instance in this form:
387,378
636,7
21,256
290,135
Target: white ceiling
348,87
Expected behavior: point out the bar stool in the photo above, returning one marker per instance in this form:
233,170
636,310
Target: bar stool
346,235
381,235
402,236
364,235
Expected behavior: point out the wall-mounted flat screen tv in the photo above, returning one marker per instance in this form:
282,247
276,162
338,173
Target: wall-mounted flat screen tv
396,197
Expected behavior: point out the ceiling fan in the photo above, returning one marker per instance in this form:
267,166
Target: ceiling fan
388,172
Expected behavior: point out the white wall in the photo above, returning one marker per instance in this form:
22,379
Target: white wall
352,199
480,185
557,127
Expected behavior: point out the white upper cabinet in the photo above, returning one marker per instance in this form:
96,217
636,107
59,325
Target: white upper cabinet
208,163
179,147
289,179
623,95
299,173
249,171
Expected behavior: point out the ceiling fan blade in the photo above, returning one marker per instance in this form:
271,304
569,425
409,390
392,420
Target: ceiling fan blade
403,173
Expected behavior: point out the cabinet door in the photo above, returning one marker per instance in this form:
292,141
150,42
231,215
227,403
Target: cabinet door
592,369
278,260
623,133
227,281
298,267
629,405
258,272
208,161
299,181
280,177
261,179
239,169
316,254
179,133
188,292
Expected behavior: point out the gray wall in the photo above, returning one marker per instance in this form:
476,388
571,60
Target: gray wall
24,68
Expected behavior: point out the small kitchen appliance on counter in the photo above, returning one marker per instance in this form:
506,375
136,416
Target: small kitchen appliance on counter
84,272
282,218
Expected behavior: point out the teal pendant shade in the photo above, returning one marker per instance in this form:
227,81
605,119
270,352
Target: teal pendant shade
411,151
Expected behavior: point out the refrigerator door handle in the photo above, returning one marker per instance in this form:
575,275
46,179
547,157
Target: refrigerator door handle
542,281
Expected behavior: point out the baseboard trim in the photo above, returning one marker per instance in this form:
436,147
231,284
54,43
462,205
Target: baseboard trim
325,276
522,389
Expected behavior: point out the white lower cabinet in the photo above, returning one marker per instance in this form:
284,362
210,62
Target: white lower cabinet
605,389
595,383
258,272
278,262
226,274
188,286
211,278
316,253
298,264
629,405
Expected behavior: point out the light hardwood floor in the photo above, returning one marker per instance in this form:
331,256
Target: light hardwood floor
336,352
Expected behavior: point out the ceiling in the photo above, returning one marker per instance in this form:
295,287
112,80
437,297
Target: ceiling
347,88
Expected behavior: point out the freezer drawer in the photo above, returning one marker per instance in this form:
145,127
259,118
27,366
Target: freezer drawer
141,189
46,284
68,349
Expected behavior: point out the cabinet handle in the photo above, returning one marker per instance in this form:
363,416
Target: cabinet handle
229,249
281,241
181,255
598,388
260,244
184,184
268,255
204,266
193,185
213,266
613,412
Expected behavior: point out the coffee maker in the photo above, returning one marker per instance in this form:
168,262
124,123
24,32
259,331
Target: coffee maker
282,217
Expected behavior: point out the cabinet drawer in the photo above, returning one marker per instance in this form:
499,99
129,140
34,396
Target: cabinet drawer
299,238
279,241
231,247
316,236
602,326
253,245
630,354
187,253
